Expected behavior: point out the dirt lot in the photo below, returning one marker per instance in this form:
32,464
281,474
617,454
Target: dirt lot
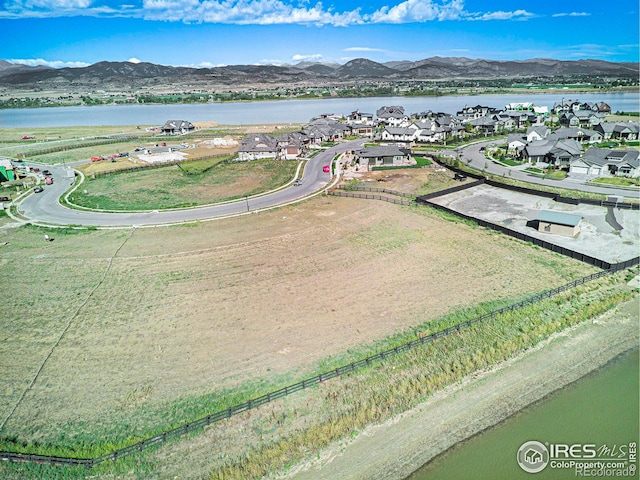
152,316
612,235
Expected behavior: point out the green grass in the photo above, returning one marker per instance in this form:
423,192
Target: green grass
198,167
617,181
169,187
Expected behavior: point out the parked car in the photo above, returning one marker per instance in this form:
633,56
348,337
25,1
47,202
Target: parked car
297,183
4,199
38,190
48,180
326,169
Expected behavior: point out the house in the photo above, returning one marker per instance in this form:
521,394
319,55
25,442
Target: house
563,153
393,116
398,134
177,127
258,146
515,142
484,125
427,132
292,145
325,130
537,132
582,135
358,118
536,151
362,130
558,223
608,163
383,155
538,110
478,111
626,131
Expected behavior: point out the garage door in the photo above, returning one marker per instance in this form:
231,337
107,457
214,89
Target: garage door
583,170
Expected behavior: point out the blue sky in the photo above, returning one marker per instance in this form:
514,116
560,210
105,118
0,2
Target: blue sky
229,32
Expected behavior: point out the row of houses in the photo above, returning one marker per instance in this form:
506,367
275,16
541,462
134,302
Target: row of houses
563,148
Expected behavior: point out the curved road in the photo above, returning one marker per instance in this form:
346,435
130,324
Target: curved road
472,156
44,207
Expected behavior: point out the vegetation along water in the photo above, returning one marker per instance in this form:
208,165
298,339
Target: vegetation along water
573,415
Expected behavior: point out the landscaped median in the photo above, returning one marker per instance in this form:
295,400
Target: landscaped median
202,182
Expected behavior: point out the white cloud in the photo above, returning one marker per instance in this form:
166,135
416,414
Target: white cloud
572,14
418,11
316,57
255,12
364,49
33,62
501,15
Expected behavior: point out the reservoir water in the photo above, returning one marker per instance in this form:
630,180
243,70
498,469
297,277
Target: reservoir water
283,111
601,409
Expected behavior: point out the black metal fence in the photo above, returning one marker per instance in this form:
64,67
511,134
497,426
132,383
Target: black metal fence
227,413
152,166
397,201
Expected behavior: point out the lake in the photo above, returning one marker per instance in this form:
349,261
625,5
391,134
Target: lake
282,111
601,409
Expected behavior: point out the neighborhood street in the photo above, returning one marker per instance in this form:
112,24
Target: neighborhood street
44,207
473,156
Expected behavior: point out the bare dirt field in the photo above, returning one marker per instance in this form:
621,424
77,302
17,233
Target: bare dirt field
140,319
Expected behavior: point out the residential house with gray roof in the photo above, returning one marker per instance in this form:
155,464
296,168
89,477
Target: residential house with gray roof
383,155
393,115
177,127
257,146
601,162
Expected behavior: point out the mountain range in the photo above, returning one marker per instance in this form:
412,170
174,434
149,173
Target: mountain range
128,74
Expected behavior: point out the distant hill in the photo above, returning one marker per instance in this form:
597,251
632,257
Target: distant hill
127,74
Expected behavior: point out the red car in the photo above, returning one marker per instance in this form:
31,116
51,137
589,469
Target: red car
326,169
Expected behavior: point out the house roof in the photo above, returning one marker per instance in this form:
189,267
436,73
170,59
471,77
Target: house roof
382,151
559,218
604,156
400,131
178,125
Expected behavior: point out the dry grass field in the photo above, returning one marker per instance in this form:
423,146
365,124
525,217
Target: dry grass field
143,324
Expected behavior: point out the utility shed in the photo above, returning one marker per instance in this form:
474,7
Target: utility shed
558,223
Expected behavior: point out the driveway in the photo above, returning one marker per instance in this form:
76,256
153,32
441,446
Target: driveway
44,208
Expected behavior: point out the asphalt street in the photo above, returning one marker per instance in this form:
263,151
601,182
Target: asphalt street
45,208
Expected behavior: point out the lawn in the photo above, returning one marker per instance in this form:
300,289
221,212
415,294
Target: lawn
172,187
617,181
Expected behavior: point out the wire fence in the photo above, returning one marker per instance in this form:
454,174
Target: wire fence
251,404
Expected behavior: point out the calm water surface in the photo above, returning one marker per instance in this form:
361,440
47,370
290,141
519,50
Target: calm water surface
281,111
601,408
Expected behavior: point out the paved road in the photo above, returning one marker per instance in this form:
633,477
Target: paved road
474,157
45,208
